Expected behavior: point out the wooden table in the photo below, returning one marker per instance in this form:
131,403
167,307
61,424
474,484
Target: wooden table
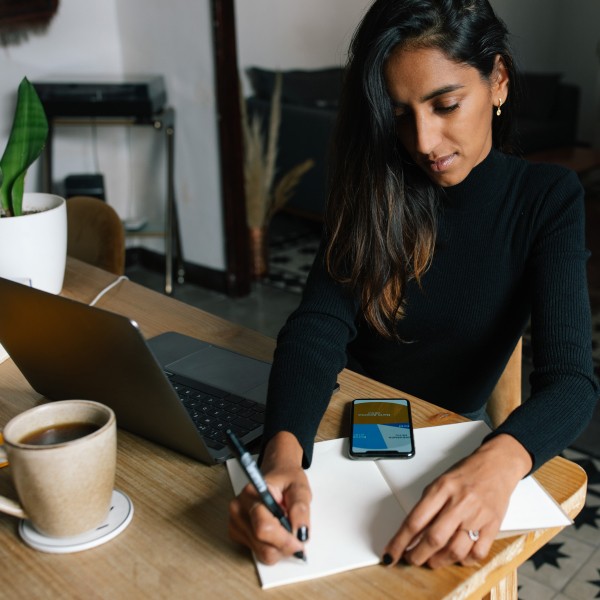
177,544
581,160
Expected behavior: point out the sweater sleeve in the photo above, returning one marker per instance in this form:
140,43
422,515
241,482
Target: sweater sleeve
311,351
564,389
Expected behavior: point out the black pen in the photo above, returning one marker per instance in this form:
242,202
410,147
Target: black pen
253,473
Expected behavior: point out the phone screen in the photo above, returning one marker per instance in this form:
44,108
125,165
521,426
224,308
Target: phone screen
381,428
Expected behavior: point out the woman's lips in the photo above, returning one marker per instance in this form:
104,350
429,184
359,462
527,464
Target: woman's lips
441,164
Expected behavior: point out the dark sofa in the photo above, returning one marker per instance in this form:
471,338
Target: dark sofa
547,118
547,113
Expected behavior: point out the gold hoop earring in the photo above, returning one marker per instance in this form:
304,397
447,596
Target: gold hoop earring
499,109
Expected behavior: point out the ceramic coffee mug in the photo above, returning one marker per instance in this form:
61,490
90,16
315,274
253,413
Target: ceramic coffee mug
62,459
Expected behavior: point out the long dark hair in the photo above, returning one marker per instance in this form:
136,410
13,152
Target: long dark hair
381,210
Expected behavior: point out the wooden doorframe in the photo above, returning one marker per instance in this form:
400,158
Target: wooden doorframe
231,149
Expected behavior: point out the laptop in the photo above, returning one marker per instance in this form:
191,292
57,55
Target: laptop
172,389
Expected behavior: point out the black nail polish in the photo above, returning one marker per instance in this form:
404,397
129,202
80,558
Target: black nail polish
302,534
300,555
387,559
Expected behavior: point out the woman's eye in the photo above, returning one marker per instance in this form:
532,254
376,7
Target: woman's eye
446,109
402,113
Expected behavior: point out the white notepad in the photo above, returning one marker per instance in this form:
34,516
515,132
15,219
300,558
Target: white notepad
358,505
3,354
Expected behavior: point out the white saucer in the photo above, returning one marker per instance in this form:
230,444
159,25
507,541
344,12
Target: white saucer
119,516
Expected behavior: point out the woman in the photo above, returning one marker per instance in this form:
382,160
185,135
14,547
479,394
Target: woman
439,247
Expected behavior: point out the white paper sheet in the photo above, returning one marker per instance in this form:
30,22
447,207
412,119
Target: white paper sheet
438,448
354,511
352,514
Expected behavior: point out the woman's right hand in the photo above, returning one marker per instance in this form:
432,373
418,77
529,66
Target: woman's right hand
251,523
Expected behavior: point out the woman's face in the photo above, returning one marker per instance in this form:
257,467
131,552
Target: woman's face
443,110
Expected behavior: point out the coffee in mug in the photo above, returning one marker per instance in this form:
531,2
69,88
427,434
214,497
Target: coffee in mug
62,460
58,434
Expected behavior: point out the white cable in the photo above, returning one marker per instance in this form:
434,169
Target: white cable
107,288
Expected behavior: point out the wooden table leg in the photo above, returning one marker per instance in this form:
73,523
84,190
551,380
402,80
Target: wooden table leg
505,589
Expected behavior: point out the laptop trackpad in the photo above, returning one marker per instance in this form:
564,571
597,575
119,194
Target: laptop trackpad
222,369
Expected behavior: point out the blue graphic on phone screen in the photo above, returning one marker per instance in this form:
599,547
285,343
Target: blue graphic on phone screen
381,425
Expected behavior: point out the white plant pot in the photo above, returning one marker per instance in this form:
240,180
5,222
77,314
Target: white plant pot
34,246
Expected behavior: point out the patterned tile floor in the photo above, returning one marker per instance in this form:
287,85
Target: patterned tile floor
569,566
292,247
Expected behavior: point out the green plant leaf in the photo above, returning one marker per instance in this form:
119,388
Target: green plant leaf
17,194
25,143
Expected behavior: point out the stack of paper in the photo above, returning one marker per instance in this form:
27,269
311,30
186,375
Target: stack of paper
358,505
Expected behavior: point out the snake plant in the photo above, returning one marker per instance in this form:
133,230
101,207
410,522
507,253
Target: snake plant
25,143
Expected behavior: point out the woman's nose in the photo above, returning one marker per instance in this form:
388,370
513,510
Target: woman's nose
427,135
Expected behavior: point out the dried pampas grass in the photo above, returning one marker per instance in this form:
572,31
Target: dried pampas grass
260,157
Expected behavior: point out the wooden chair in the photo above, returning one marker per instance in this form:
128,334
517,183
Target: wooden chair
506,396
95,234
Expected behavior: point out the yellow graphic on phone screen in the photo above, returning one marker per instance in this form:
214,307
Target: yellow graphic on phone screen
380,413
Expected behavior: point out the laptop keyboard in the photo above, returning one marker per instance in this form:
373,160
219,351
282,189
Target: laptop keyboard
214,415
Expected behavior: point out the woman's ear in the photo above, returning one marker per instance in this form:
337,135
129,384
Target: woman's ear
499,81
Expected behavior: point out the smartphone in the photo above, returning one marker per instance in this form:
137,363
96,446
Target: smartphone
381,428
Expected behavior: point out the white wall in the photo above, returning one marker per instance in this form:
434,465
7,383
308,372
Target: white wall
302,35
103,41
81,39
175,38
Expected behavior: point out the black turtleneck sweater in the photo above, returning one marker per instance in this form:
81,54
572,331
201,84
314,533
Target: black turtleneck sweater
510,247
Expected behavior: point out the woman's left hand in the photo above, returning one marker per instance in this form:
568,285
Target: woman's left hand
460,513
